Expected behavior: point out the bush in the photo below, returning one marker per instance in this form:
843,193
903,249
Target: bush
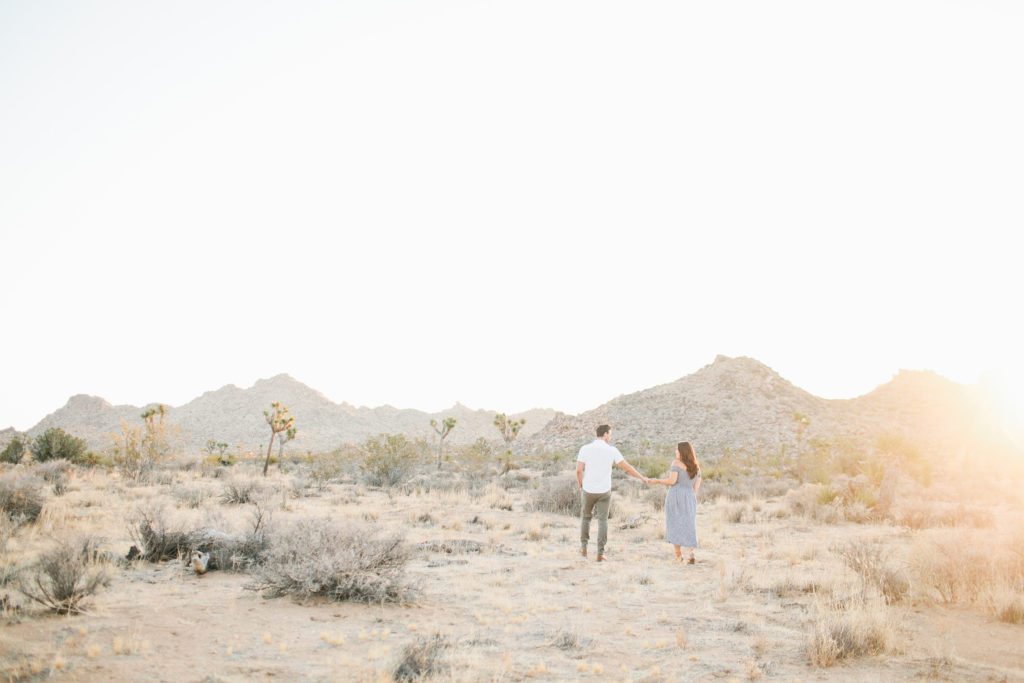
241,492
423,658
13,451
855,632
65,577
157,542
54,473
387,460
560,495
871,564
21,496
344,564
56,444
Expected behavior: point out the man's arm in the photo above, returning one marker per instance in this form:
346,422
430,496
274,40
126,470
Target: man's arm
579,473
629,468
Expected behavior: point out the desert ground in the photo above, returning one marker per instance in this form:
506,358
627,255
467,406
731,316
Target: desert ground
793,581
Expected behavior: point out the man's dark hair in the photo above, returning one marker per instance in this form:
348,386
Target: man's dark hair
602,430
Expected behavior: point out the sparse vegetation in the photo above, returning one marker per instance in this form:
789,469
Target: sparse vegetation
388,459
317,559
65,577
21,496
423,658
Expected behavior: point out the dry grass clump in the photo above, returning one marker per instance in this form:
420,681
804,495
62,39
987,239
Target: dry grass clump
977,567
859,631
815,502
560,495
423,658
64,578
241,491
314,558
925,514
871,562
21,496
191,496
54,473
155,539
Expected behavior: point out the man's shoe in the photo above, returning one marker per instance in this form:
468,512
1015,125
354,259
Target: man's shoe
600,558
584,553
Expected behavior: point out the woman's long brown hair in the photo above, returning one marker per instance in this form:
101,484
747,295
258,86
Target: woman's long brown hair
689,458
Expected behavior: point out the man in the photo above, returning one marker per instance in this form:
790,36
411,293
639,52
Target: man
594,475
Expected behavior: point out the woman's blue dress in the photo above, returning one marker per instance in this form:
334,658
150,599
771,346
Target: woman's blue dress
681,510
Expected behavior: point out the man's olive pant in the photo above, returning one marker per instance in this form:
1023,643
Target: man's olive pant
594,505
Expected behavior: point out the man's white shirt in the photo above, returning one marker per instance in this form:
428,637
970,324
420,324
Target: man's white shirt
598,458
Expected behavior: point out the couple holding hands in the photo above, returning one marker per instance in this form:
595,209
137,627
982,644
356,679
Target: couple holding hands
594,475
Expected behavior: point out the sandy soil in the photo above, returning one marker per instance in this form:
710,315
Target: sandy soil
526,608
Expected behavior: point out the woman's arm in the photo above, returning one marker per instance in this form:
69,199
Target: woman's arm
673,476
696,483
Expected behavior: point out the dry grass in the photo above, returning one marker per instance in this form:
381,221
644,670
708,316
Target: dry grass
491,560
837,635
65,577
314,558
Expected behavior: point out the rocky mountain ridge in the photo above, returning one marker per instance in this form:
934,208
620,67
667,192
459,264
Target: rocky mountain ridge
729,405
235,416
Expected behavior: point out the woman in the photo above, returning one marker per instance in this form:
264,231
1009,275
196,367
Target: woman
681,501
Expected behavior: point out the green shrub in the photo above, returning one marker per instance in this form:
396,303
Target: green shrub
388,460
13,451
55,443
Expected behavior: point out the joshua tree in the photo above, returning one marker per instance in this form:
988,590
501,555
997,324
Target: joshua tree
509,429
443,430
285,438
280,420
802,423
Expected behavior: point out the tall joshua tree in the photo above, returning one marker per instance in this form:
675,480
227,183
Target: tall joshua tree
443,430
280,420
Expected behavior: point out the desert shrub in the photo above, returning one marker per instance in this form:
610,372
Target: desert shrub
560,495
423,658
54,472
910,458
388,459
924,514
570,640
158,542
13,451
64,578
150,531
474,456
55,444
314,558
856,632
803,501
652,467
324,469
239,491
21,496
954,568
871,562
191,496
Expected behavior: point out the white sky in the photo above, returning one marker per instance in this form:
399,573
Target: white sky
509,204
